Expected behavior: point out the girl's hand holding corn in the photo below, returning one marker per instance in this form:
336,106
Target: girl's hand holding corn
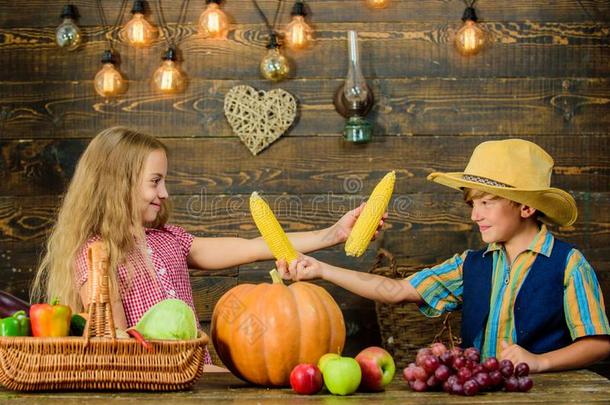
344,226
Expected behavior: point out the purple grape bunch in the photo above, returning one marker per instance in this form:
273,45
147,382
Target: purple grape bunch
461,372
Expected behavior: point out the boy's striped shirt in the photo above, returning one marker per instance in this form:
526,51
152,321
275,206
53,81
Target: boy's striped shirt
441,288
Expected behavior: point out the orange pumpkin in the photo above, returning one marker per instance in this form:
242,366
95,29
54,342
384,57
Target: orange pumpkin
261,332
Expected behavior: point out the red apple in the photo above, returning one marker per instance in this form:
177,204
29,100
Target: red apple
377,367
306,379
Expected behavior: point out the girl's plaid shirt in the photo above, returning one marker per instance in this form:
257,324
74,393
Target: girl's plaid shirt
167,248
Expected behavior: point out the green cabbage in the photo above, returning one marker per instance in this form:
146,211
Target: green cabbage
169,319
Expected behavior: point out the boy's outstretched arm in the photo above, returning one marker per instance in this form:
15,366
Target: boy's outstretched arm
371,286
581,353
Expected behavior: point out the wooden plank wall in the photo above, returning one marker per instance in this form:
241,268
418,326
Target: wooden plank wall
545,77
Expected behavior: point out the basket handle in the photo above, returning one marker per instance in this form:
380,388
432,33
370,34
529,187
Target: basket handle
383,254
100,322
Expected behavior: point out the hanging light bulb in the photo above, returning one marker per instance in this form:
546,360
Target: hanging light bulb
298,34
377,3
68,34
167,78
471,37
274,66
139,32
108,81
213,22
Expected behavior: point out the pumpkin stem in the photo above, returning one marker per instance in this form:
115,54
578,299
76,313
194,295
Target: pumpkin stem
275,276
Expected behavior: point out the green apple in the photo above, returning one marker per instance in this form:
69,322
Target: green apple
341,375
325,358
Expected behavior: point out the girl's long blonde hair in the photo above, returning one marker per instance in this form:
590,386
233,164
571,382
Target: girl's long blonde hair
101,201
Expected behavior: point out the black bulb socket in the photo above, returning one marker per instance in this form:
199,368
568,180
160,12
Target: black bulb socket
469,14
108,57
273,42
138,7
213,1
69,11
298,9
170,54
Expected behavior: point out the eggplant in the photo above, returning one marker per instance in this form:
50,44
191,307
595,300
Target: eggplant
9,304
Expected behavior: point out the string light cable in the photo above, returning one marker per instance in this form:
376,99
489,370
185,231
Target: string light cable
108,81
274,66
168,78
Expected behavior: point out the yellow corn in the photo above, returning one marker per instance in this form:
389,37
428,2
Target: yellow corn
271,230
368,221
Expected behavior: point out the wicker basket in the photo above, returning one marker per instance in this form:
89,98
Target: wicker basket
98,360
403,328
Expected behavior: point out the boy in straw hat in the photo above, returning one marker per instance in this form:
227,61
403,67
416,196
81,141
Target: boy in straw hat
527,297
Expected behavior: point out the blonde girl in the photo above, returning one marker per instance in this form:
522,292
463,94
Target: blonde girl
118,194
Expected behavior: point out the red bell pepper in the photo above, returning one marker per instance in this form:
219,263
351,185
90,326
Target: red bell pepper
50,320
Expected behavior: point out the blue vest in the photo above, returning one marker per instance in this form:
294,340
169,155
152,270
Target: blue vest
539,315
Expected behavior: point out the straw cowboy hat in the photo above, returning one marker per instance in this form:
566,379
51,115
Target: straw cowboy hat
517,170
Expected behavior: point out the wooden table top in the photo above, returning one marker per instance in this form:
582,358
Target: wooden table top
579,387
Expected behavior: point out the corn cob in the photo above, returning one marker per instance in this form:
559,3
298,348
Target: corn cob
270,229
369,218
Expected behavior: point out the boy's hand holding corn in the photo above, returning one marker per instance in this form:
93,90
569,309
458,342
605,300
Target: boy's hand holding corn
302,268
